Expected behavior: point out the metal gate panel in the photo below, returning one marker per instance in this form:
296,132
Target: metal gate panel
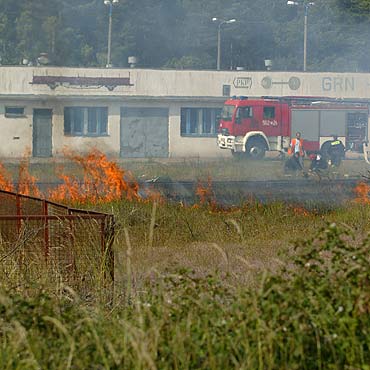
307,123
42,133
144,132
333,122
133,138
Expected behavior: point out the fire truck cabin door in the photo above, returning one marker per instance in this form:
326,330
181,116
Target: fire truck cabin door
244,120
271,120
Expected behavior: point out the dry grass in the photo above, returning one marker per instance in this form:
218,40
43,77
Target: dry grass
199,289
237,245
196,287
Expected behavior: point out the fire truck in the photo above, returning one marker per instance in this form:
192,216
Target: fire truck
250,127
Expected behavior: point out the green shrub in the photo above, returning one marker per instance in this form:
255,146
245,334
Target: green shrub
313,314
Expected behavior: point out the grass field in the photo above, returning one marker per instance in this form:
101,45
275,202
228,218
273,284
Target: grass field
258,287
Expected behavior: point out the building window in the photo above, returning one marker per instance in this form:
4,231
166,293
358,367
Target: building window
14,112
199,121
226,90
86,121
268,112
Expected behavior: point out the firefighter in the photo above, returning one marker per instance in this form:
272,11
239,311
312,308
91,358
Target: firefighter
296,149
318,162
336,151
292,163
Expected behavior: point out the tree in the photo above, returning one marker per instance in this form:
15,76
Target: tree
181,34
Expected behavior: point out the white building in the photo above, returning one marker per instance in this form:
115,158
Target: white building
139,113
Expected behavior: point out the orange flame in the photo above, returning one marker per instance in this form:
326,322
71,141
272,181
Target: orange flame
207,198
152,195
27,182
205,193
6,182
103,181
362,191
300,211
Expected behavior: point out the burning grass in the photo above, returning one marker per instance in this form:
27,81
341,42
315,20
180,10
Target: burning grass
93,178
362,193
197,287
103,181
6,182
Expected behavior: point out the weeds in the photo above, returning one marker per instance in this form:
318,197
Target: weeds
207,290
313,315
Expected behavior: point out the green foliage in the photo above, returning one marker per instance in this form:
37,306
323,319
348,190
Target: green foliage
188,62
180,33
314,314
360,7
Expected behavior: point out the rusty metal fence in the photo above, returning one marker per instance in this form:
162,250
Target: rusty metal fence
73,244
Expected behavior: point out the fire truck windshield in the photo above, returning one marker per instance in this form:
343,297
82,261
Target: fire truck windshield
227,112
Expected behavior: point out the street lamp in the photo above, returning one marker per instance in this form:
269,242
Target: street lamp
306,6
110,3
222,21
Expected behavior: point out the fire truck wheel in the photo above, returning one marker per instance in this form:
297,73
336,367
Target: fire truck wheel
255,148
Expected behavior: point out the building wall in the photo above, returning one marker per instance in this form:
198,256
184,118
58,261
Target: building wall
171,83
108,144
191,146
16,133
149,88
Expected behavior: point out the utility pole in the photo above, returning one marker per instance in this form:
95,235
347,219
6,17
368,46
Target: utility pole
222,22
306,6
110,3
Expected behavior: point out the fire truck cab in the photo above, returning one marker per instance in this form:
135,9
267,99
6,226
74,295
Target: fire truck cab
254,126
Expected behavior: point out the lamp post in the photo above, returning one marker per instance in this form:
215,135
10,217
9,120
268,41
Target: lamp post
110,3
222,22
306,6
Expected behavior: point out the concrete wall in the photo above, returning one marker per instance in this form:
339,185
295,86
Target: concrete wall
16,133
150,88
170,83
108,144
191,146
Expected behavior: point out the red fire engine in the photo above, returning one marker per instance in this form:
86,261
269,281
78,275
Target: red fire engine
253,126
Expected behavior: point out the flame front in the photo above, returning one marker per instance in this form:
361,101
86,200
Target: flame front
103,181
362,191
205,192
27,182
6,182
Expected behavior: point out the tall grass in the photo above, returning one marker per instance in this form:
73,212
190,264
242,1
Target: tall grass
205,289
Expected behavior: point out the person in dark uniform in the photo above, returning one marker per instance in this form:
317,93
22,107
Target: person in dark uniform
292,163
335,151
318,162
